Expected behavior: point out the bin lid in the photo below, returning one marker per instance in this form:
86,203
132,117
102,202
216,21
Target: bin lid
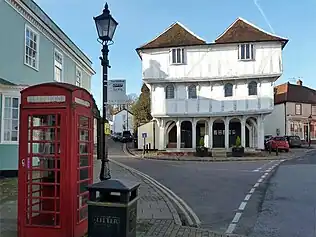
116,185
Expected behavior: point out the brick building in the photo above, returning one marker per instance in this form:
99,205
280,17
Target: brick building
295,104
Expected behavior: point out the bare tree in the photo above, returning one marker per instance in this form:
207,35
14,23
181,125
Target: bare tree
131,100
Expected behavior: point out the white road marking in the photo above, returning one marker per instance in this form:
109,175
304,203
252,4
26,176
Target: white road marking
236,217
230,228
242,206
264,165
248,196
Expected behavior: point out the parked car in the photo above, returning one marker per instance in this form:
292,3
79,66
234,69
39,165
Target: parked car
116,136
294,141
126,137
278,142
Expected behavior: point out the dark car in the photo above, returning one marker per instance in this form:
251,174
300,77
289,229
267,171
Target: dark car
126,137
294,141
116,136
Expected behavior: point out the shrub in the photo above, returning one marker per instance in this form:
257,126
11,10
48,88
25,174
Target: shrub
202,142
238,142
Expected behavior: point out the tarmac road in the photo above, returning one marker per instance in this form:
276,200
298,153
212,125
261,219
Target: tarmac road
214,190
289,207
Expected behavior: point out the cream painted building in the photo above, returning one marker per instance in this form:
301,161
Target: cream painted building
212,92
294,112
123,120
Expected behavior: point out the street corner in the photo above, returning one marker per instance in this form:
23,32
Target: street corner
130,151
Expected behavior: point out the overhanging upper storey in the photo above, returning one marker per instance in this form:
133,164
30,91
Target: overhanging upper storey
242,50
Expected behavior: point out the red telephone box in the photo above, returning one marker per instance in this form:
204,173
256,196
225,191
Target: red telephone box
55,160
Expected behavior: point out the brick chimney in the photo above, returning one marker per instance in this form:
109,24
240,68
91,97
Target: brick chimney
299,82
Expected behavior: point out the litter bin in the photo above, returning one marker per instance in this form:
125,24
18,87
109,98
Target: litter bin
112,208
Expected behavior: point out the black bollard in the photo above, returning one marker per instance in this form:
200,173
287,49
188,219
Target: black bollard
270,148
277,151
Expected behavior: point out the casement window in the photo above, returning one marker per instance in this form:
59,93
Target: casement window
253,88
170,92
292,127
313,109
58,66
246,52
10,119
228,89
298,109
31,48
192,92
177,56
78,77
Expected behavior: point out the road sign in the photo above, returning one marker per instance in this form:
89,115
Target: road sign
107,129
117,92
144,135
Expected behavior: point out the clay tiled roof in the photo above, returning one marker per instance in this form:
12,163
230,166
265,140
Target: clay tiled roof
175,35
294,93
244,31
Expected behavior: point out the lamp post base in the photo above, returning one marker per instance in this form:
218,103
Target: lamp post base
105,171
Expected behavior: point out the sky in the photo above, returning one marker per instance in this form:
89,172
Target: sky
142,20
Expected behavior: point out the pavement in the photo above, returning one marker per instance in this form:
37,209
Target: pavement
264,155
289,206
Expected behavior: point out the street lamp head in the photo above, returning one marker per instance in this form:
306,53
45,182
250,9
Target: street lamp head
106,25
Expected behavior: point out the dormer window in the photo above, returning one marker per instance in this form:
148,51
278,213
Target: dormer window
177,56
246,52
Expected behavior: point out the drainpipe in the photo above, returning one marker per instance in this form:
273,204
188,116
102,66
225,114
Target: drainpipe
285,122
154,134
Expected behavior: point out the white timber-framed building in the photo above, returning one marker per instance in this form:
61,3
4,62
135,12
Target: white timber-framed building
212,91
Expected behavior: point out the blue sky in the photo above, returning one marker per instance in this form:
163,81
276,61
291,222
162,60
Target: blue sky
142,20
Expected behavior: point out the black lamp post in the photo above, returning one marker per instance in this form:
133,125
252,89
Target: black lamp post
106,26
309,129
